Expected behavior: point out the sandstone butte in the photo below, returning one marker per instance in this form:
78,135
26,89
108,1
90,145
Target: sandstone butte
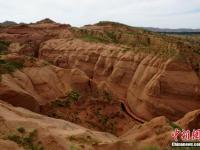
106,86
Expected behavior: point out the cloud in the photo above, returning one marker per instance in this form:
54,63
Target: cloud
156,13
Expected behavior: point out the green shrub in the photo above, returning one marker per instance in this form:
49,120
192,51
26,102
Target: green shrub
72,147
112,36
84,140
104,119
9,66
46,63
3,46
27,141
60,103
71,97
107,96
117,24
174,126
91,38
21,130
15,138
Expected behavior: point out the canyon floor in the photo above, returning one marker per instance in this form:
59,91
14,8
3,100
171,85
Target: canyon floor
106,86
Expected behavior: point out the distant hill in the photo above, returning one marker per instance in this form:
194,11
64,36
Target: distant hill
8,23
174,31
46,20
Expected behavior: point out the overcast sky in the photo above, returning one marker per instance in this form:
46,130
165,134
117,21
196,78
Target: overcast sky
148,13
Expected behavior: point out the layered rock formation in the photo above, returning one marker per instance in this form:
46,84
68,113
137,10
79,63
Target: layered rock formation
41,83
50,133
159,131
147,83
16,124
106,77
38,84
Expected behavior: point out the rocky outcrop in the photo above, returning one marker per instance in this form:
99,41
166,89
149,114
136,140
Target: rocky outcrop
26,39
157,133
167,88
190,121
34,86
149,84
56,134
38,86
51,134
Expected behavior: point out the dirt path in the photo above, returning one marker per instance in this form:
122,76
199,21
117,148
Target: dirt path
128,111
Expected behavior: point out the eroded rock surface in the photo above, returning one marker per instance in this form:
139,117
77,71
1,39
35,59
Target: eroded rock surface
107,77
57,134
51,134
149,84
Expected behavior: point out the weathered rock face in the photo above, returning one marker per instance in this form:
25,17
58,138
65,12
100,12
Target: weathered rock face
190,121
99,114
26,39
56,134
49,133
149,84
158,131
38,86
34,86
166,88
155,133
126,76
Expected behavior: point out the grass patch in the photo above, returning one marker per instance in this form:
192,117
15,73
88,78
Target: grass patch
104,120
92,38
174,125
3,46
9,66
107,96
71,98
46,63
28,140
112,36
21,130
84,140
102,23
73,147
60,103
